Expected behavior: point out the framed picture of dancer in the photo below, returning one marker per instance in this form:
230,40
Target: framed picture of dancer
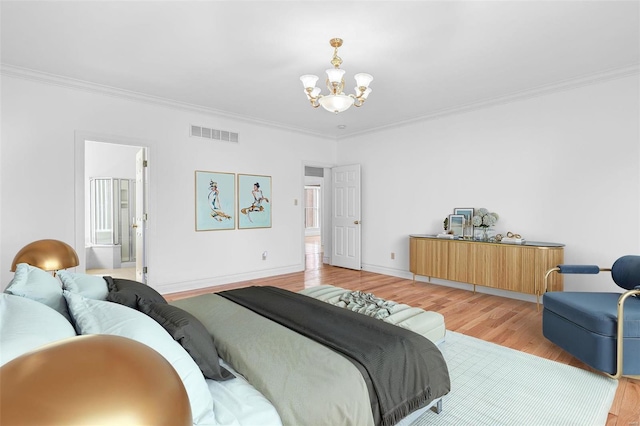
215,201
254,201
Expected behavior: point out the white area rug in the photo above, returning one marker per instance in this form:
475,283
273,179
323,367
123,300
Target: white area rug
495,385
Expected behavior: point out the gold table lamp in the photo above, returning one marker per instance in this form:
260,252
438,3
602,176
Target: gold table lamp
90,380
48,255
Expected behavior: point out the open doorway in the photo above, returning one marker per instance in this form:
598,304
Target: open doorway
111,210
312,226
313,217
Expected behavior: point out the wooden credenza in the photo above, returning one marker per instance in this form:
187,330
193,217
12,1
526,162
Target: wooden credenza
513,267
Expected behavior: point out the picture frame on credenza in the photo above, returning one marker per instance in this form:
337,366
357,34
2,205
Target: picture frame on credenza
456,224
467,212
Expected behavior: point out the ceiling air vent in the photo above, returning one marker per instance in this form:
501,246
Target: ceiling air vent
219,135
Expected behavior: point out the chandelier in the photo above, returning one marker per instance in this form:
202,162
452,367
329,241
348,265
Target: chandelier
336,101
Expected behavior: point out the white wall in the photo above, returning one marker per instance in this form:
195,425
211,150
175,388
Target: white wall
110,160
563,168
40,123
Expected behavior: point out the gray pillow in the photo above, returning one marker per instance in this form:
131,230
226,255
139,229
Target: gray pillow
131,293
192,335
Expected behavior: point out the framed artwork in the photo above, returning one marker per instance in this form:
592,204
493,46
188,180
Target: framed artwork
456,224
254,201
215,201
466,212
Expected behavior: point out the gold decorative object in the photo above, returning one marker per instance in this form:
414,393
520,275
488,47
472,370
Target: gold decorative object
91,380
336,101
48,255
510,234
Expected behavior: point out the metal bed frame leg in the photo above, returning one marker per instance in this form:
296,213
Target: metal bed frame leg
438,407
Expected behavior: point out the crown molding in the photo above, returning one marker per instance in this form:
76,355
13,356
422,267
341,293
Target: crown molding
57,80
547,89
564,85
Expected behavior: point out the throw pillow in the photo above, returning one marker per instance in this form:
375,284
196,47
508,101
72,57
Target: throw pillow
25,325
36,284
102,317
192,336
131,293
90,286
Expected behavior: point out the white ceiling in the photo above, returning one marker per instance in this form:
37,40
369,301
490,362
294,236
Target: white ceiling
428,58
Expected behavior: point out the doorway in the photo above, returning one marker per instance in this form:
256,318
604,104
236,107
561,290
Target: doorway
312,226
313,206
111,210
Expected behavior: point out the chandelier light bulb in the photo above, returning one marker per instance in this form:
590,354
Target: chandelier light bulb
336,101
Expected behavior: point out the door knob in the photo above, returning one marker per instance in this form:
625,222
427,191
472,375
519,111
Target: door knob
356,222
134,226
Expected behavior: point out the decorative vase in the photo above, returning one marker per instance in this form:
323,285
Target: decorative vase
467,231
481,233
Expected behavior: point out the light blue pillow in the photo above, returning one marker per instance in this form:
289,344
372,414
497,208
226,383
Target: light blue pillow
36,284
103,317
25,325
89,286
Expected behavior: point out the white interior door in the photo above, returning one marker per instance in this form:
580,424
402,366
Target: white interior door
346,220
141,215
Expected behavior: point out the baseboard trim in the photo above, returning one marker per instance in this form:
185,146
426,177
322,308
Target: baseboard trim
399,273
168,288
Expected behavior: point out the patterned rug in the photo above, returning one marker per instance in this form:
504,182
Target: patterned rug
495,385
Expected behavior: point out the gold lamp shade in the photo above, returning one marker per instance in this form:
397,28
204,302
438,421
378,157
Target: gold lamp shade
93,380
48,255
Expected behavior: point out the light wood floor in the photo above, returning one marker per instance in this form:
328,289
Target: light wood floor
125,273
507,322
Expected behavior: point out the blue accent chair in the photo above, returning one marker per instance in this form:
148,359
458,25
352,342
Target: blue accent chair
586,324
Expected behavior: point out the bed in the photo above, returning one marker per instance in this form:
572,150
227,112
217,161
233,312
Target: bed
245,373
